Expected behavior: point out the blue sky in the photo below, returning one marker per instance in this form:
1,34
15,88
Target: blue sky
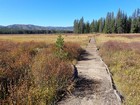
60,12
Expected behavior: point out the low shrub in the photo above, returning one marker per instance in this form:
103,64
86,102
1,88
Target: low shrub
32,74
15,62
51,75
73,49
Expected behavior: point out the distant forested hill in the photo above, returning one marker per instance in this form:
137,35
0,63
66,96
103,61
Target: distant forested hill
33,29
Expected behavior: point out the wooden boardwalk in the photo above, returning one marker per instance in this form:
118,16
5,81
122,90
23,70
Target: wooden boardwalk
95,85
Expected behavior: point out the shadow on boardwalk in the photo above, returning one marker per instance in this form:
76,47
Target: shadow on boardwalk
84,56
85,86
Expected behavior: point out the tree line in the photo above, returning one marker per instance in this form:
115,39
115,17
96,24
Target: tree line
121,23
21,31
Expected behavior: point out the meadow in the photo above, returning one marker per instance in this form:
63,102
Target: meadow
33,70
122,55
48,38
36,70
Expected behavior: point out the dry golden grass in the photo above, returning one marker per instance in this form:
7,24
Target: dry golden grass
117,37
47,38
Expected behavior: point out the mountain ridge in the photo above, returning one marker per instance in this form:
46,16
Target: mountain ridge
36,27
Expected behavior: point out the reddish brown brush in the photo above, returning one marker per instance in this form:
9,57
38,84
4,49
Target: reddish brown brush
115,46
119,46
130,36
73,49
30,72
15,61
135,46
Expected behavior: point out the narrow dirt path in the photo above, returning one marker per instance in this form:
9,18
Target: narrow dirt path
95,85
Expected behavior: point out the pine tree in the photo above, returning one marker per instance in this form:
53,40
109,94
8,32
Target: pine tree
108,25
119,22
125,21
92,25
60,53
138,20
96,26
101,25
135,26
113,27
138,25
76,26
128,25
87,27
81,25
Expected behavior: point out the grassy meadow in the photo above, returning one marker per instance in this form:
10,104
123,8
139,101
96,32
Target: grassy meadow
35,70
122,54
48,38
